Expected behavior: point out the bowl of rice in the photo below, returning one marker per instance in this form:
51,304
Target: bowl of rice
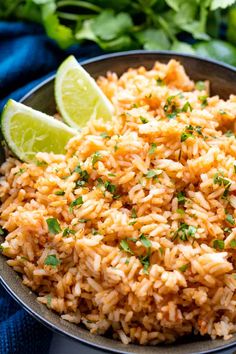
142,256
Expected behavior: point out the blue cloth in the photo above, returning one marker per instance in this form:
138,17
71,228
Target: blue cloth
27,56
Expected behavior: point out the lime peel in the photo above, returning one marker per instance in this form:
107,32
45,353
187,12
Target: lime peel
78,96
28,131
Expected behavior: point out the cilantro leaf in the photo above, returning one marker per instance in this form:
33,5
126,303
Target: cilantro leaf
125,246
219,244
77,201
60,192
152,149
230,219
53,226
67,231
52,260
96,157
183,268
181,197
145,241
233,243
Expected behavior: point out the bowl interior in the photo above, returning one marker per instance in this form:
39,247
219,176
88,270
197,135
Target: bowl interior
222,80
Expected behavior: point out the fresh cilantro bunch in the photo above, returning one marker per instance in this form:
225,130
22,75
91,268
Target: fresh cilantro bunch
133,24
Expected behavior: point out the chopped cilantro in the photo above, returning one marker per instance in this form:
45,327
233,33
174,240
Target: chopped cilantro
110,187
41,163
83,220
60,192
146,243
77,201
52,260
161,250
20,172
183,268
233,243
83,174
181,197
96,157
133,213
145,261
180,211
152,149
1,231
160,82
144,120
222,112
185,136
95,232
151,174
125,247
200,85
184,231
219,244
198,129
127,261
229,133
49,300
116,147
67,231
171,115
219,179
104,135
132,222
230,219
203,100
227,230
111,175
53,226
187,106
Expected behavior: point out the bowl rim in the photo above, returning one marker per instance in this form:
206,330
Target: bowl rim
48,322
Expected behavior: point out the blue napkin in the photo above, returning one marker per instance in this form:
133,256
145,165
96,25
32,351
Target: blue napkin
27,56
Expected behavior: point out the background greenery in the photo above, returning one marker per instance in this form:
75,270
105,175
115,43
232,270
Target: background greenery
205,27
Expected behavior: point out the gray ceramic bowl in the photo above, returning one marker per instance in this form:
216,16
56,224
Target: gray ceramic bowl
222,80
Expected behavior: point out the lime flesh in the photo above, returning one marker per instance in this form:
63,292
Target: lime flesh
78,97
28,131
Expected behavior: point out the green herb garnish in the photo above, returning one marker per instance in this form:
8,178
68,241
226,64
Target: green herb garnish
41,163
180,211
125,246
230,219
219,244
183,268
144,120
77,201
200,85
53,226
233,243
203,100
96,157
145,241
133,213
104,135
60,192
152,149
187,106
52,260
67,231
83,221
184,232
181,197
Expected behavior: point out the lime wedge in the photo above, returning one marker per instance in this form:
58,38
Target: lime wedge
27,131
78,97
